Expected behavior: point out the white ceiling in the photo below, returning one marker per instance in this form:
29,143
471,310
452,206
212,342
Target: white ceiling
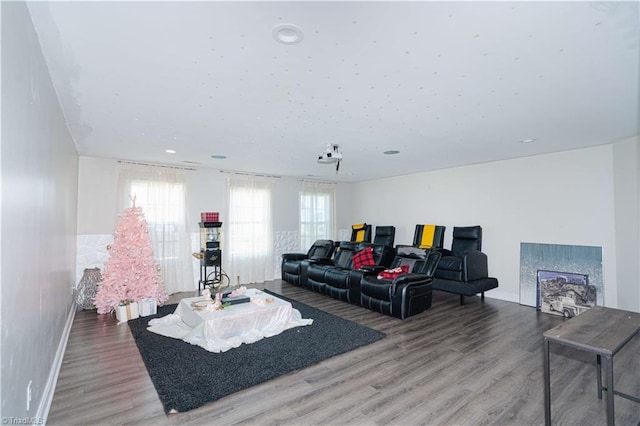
445,83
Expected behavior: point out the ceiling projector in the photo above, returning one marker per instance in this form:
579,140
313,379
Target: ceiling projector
331,155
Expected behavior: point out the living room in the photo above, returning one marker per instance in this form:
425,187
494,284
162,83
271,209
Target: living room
51,196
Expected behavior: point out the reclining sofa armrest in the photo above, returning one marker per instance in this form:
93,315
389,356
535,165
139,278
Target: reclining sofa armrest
474,266
294,256
354,280
406,280
374,269
321,261
290,257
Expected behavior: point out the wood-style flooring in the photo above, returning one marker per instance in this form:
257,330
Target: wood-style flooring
476,364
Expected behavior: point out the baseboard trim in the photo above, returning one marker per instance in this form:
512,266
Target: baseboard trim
502,295
50,388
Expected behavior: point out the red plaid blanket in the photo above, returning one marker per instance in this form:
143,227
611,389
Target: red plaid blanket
363,258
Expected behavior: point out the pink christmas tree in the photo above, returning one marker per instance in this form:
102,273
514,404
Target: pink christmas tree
131,273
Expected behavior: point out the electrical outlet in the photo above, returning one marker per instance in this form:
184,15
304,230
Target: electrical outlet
29,395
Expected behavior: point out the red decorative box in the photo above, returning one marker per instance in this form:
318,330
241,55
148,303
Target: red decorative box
210,217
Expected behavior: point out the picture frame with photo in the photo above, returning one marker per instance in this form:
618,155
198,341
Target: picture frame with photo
567,294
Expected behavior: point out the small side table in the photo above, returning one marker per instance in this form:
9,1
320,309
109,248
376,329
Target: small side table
600,331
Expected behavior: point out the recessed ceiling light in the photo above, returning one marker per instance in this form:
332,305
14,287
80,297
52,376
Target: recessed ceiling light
287,34
219,156
170,151
527,140
391,152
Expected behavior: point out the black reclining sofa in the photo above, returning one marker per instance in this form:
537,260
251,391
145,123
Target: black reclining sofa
403,296
463,269
332,277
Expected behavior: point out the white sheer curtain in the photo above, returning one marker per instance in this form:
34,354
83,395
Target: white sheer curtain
160,192
317,212
248,231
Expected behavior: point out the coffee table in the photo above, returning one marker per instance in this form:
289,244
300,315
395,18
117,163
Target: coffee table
221,330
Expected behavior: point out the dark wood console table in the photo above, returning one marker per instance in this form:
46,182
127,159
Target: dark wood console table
600,331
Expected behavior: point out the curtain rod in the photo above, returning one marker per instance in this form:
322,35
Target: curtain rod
317,181
229,172
158,165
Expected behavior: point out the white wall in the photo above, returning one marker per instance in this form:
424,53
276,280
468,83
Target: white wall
560,198
39,200
580,197
626,160
97,211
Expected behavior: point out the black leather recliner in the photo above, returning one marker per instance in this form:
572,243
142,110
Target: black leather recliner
334,279
292,262
463,269
385,235
313,271
407,294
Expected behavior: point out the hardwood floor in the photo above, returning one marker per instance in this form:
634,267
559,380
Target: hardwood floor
476,364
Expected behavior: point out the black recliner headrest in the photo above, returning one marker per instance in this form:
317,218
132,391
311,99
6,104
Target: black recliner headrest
321,249
466,238
385,235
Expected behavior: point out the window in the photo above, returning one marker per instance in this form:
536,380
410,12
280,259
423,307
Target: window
163,206
248,221
160,192
317,208
248,249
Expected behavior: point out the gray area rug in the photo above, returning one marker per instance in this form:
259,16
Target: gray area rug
187,376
